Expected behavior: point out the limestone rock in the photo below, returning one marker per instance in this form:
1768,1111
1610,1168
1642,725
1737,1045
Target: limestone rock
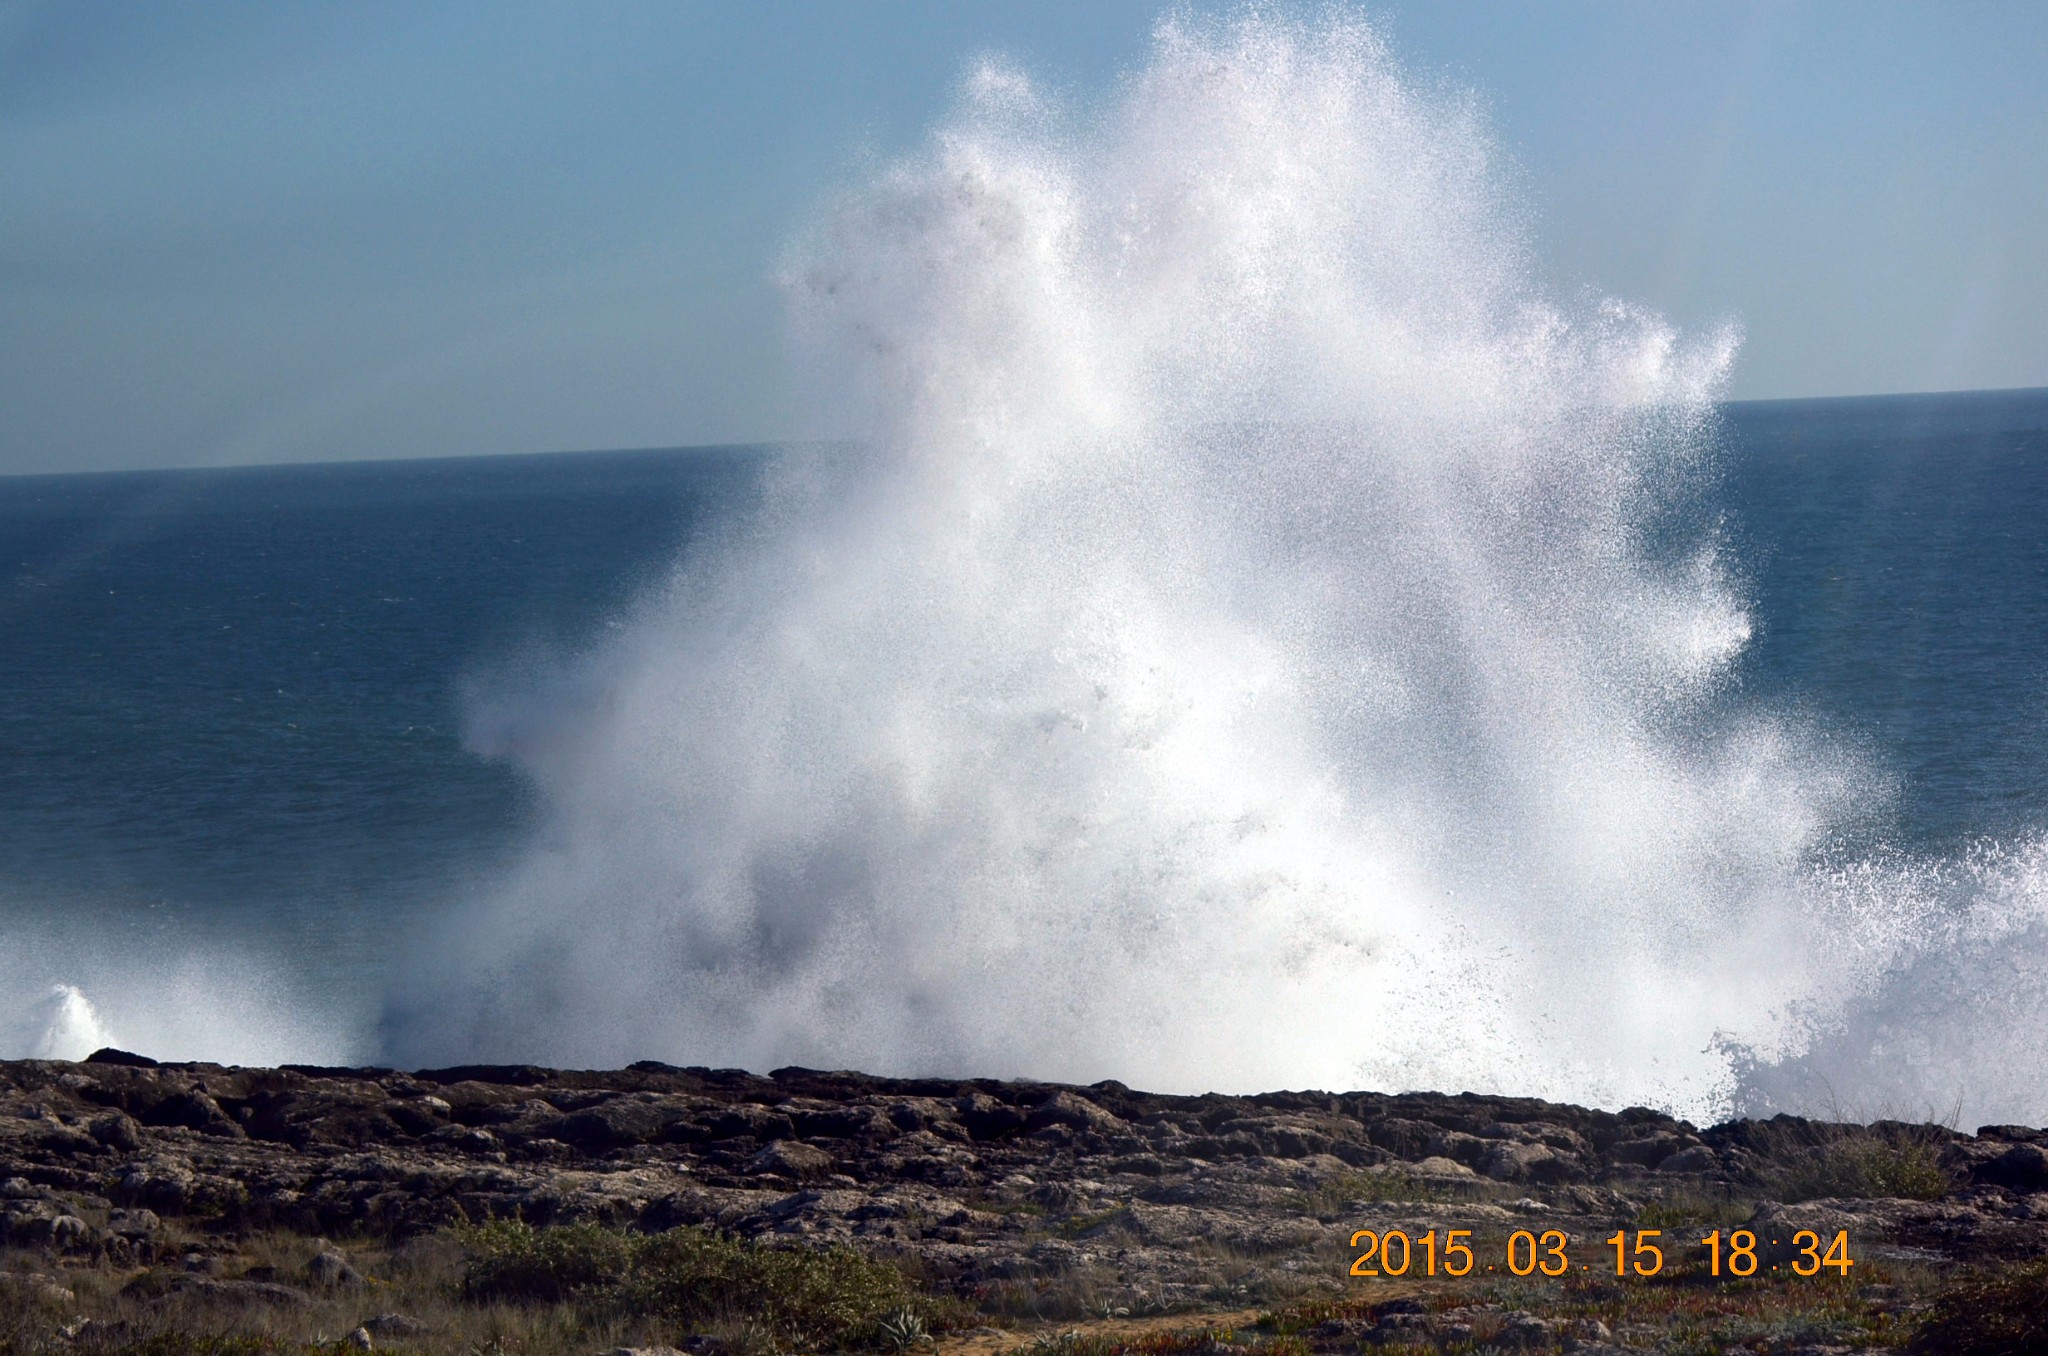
789,1158
2023,1167
330,1269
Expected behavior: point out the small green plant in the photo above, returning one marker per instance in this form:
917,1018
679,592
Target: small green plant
902,1329
1679,1213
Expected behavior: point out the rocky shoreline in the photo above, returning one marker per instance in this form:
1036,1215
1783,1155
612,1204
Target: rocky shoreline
1028,1203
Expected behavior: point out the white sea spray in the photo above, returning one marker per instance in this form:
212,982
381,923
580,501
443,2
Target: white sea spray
1237,651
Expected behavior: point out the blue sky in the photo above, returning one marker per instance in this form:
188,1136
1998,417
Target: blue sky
257,232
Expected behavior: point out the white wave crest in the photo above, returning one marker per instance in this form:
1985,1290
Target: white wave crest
1240,653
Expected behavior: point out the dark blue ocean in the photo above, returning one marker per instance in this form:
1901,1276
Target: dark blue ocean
232,701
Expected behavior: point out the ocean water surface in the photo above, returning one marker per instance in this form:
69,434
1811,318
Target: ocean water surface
233,703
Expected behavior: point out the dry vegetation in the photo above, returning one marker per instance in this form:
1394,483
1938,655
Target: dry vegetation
508,1289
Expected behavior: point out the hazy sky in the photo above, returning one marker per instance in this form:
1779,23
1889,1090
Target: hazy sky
280,231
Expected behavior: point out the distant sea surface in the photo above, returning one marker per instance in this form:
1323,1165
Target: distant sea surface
231,701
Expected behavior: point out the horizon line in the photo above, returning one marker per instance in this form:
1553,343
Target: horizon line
766,443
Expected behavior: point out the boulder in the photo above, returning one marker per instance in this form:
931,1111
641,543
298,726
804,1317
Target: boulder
330,1269
616,1124
69,1233
1532,1163
395,1326
1441,1167
1699,1158
2022,1168
1650,1150
1526,1332
1076,1113
986,1118
791,1158
195,1111
116,1130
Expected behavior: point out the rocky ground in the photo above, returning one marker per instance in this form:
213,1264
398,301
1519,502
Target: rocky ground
288,1207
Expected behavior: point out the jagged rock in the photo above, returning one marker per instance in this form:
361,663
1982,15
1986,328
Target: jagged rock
1526,1332
2023,1167
1649,1150
359,1339
418,1115
1075,1113
116,1130
618,1123
194,1111
747,1121
160,1184
134,1223
1531,1163
1699,1158
980,1182
330,1269
985,1117
1441,1167
69,1233
786,1158
919,1113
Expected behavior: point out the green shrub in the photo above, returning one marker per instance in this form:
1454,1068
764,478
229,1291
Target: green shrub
513,1261
1811,1160
1871,1165
833,1296
689,1278
1862,1166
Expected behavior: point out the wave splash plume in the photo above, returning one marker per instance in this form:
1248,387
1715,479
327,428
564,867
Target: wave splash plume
1256,641
62,1024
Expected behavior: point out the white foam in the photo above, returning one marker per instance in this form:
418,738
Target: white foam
1237,657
